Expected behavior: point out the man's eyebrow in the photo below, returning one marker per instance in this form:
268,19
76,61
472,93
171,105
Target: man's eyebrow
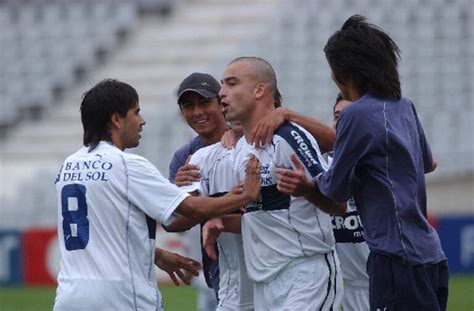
228,79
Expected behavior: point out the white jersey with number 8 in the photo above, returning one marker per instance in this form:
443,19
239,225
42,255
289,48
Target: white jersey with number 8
108,201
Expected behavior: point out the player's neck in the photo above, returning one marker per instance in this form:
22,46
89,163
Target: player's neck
353,94
116,140
258,114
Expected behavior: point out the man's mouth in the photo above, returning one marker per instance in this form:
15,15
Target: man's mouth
200,122
224,106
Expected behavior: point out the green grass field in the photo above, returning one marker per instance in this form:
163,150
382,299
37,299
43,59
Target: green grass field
461,297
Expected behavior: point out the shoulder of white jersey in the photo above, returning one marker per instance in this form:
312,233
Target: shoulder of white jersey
103,150
291,131
137,162
204,152
303,145
135,158
210,154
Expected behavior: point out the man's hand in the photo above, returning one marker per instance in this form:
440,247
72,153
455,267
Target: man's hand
251,187
229,139
187,174
237,189
262,133
210,233
294,183
176,265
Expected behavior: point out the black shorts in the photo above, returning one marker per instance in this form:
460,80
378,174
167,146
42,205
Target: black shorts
395,285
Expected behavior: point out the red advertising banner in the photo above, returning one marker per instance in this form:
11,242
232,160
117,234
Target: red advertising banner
40,256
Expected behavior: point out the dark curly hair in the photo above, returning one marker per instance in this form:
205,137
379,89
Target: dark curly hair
366,54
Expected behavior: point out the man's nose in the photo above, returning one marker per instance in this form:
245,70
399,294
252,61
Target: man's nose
222,92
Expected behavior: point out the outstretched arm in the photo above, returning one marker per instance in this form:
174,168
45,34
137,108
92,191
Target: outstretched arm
180,224
181,176
202,208
263,132
185,176
295,183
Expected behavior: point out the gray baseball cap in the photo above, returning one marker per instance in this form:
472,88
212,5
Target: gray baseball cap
202,83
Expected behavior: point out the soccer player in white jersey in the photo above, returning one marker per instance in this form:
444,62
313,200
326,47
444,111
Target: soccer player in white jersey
351,247
288,243
199,105
218,178
350,243
108,201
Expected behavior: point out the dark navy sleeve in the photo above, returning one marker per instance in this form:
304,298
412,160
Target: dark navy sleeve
174,166
181,155
353,137
425,148
302,147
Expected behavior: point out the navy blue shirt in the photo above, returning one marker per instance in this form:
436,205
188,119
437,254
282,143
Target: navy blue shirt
181,155
380,158
210,267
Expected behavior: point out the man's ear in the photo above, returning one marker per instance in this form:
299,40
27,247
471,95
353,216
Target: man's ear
115,120
260,90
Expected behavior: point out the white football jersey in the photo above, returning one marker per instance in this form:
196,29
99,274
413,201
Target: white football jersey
351,247
278,228
108,201
217,178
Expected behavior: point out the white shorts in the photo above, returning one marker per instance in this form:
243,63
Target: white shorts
85,295
311,283
356,295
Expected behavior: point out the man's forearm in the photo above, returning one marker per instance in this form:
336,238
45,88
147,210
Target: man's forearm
324,134
180,224
324,203
232,223
201,208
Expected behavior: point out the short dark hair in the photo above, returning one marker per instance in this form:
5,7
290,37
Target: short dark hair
338,99
263,72
366,54
99,103
278,99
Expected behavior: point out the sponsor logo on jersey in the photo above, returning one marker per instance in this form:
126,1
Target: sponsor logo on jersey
85,171
265,179
348,228
303,147
270,200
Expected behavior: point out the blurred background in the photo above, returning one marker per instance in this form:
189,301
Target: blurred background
51,51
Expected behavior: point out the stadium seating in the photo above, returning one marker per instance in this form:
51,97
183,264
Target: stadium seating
48,43
437,67
156,56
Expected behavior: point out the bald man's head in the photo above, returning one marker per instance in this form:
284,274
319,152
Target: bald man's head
262,72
